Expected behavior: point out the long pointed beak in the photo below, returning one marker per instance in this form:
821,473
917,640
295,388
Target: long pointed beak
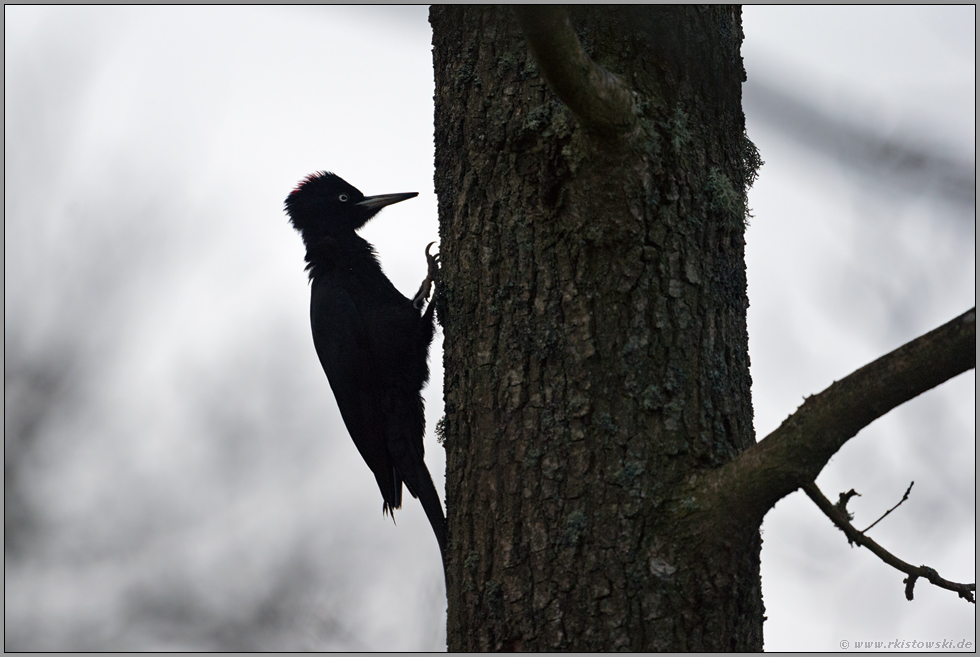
381,200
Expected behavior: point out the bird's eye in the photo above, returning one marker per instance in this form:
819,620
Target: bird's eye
343,198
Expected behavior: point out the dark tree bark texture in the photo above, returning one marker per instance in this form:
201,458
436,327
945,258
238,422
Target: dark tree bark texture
594,303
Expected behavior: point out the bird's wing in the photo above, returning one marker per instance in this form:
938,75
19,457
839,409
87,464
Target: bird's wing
343,345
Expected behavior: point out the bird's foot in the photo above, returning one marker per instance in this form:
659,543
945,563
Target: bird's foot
423,294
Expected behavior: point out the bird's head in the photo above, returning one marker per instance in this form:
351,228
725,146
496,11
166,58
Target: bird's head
326,204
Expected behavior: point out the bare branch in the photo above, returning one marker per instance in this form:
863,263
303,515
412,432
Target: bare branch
599,99
904,497
795,453
840,519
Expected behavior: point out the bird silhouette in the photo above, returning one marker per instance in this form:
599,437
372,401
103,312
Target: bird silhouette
372,341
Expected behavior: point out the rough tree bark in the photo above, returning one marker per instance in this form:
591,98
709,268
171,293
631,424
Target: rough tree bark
593,300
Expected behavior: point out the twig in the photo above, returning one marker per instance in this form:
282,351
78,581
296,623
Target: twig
904,497
839,518
842,501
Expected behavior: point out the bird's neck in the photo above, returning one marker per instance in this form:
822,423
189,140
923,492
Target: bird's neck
331,254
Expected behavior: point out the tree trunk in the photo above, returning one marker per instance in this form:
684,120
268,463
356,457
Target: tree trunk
594,303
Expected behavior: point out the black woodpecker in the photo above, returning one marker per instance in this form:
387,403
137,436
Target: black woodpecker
372,341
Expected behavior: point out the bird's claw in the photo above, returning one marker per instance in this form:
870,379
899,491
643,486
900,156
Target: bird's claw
431,277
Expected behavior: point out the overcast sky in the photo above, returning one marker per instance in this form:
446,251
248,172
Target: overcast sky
176,472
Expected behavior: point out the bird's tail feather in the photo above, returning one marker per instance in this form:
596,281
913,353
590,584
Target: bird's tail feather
391,491
420,485
433,510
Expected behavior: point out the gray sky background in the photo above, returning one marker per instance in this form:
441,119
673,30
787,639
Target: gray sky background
176,473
